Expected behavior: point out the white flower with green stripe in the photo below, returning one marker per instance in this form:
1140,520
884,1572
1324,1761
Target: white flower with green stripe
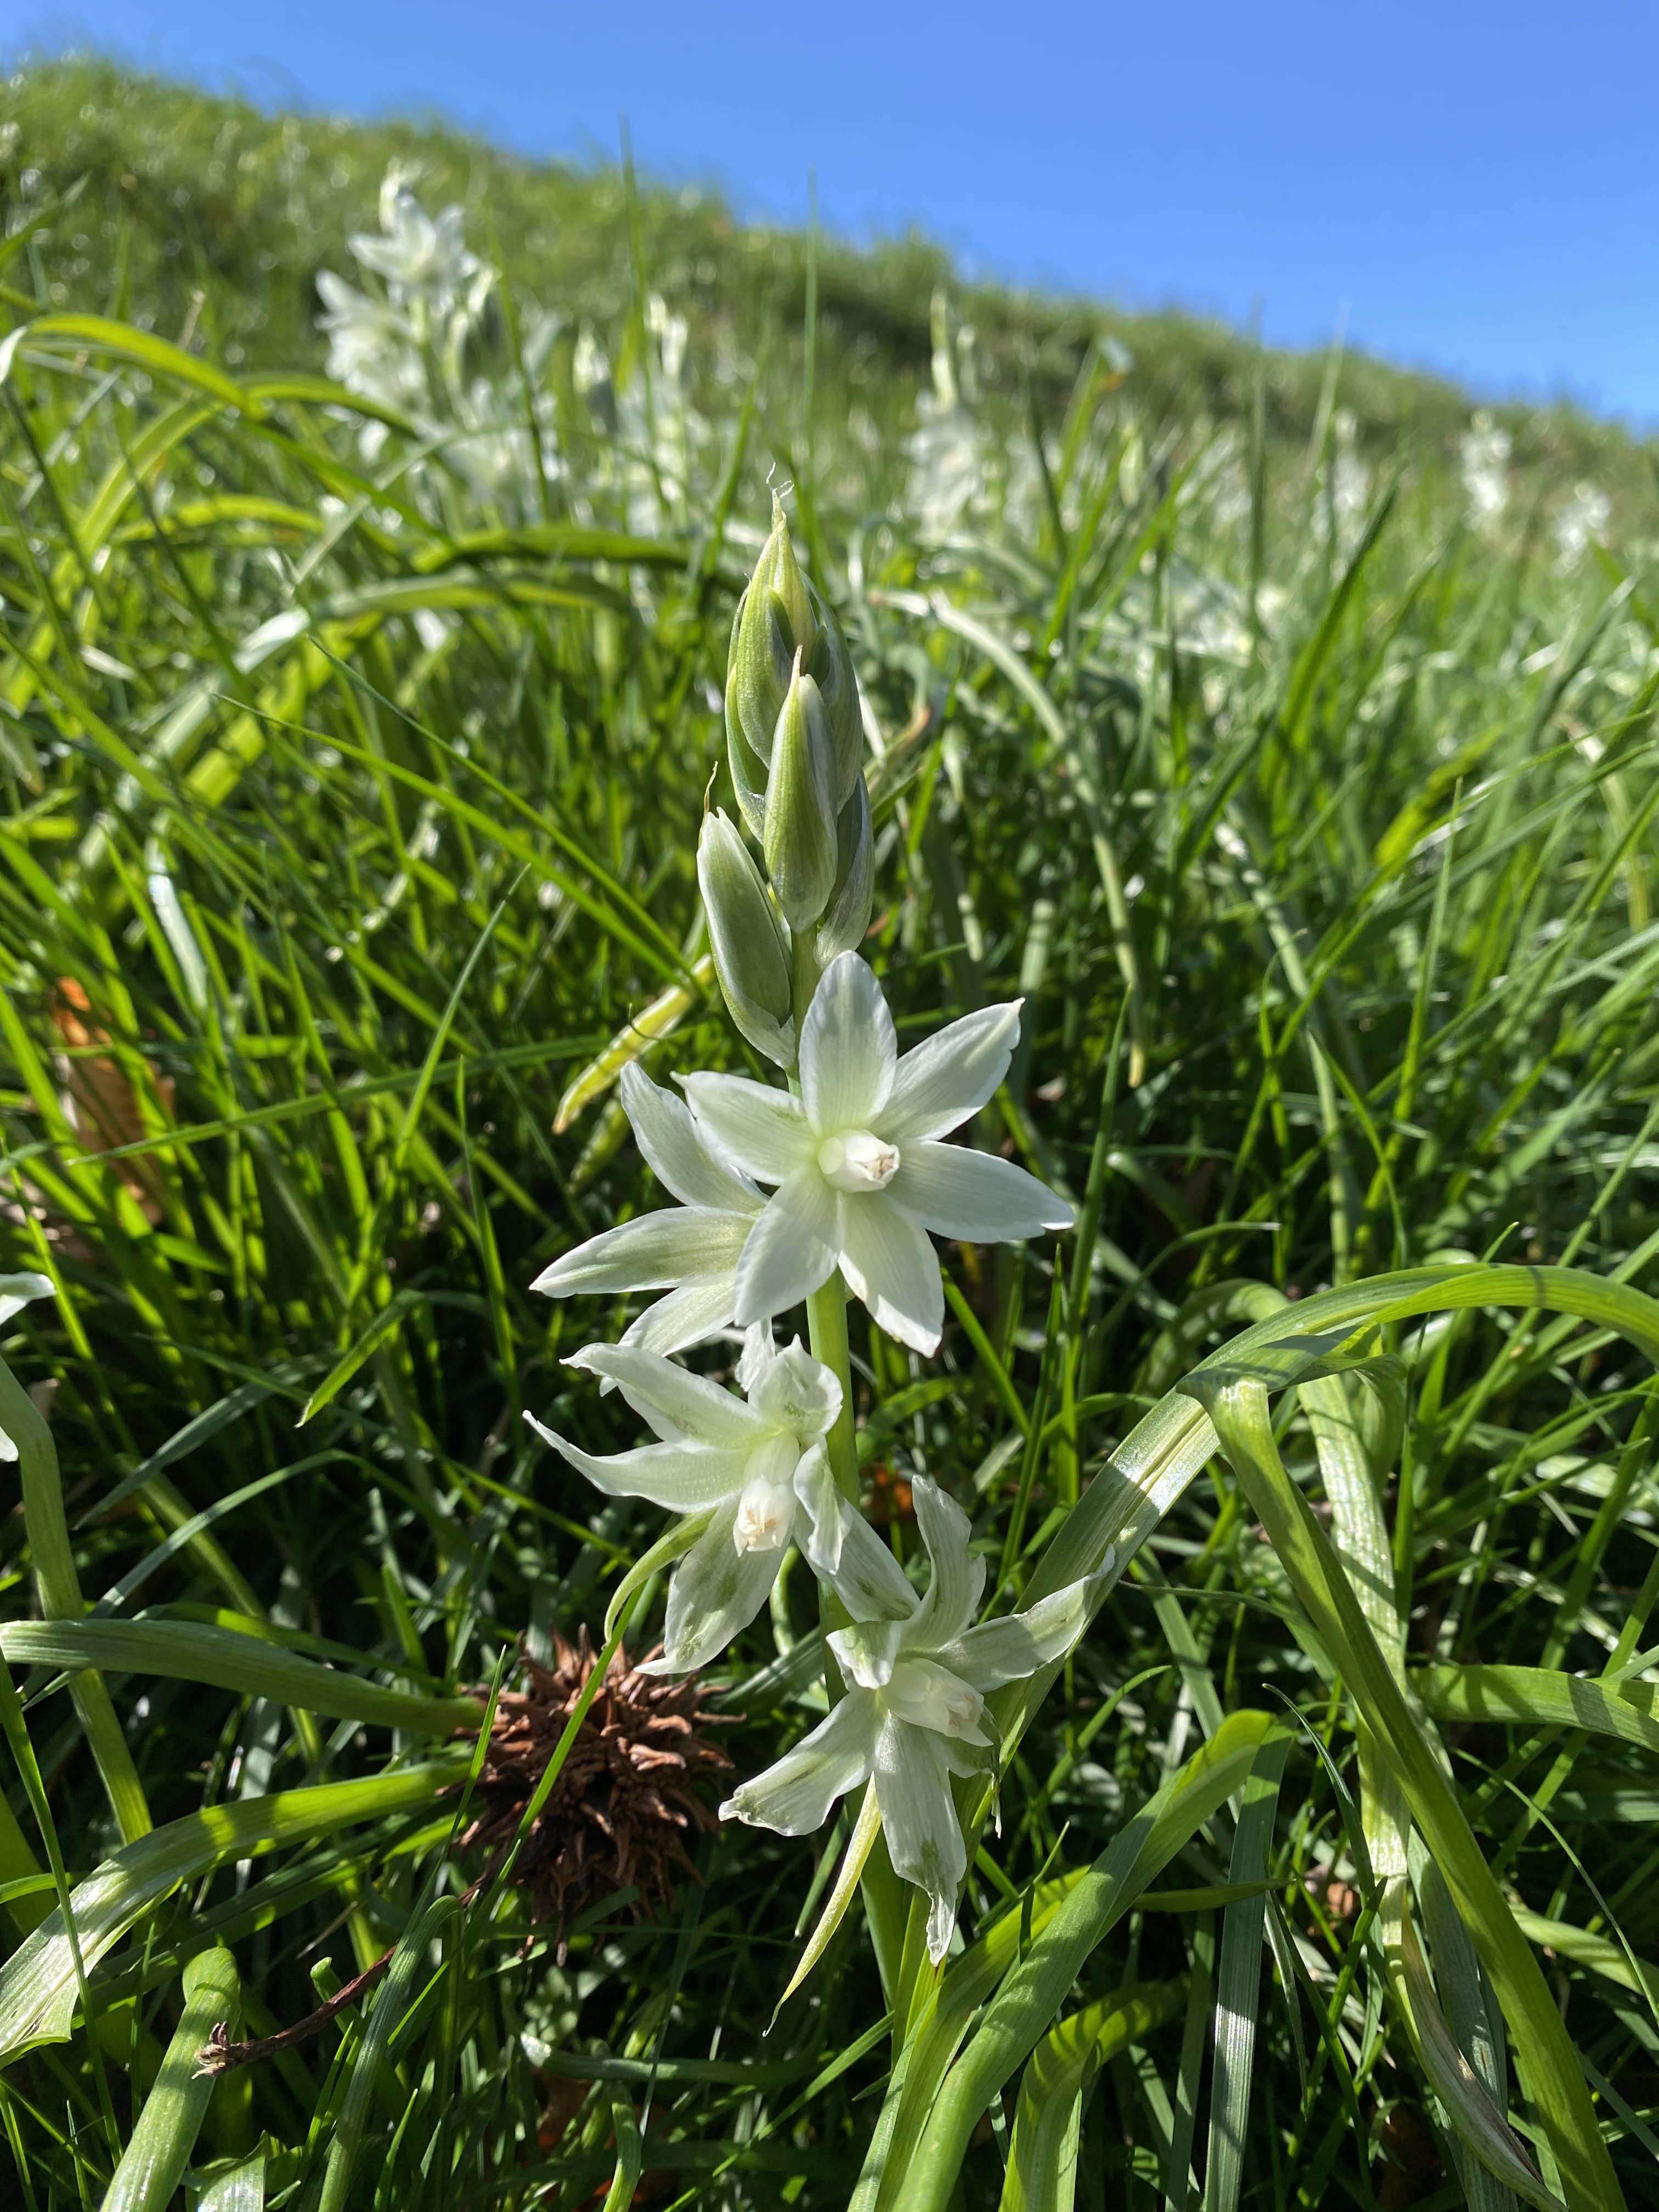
861,1173
755,1472
913,1714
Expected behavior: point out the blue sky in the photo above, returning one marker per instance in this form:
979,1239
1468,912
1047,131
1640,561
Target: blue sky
1476,186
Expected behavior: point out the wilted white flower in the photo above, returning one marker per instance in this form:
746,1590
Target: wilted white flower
915,1711
1580,523
861,1174
758,1469
689,1250
1486,453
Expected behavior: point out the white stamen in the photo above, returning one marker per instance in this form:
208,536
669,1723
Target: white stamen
766,1511
857,1161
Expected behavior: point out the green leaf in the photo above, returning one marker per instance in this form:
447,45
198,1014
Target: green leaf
186,1651
159,2150
37,1987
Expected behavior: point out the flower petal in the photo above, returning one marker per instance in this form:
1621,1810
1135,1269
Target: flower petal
1006,1650
798,1392
717,1589
940,1083
958,1578
865,1652
682,1478
889,1263
933,1697
919,1819
975,1196
16,1291
689,1315
682,1162
848,1050
759,1130
843,1550
795,1796
791,1250
680,1407
656,1252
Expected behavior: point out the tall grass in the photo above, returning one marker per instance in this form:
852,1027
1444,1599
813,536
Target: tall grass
351,789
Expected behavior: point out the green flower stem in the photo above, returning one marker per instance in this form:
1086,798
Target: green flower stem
59,1589
885,1904
826,1327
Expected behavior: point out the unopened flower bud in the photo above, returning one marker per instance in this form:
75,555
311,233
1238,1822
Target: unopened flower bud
830,666
774,622
848,915
751,957
800,813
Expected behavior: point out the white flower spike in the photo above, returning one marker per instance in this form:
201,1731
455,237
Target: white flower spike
759,1468
861,1175
691,1250
915,1713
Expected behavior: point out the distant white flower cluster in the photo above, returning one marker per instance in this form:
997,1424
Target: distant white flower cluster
426,348
1581,523
1486,469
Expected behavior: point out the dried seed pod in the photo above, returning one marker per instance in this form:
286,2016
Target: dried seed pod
627,1797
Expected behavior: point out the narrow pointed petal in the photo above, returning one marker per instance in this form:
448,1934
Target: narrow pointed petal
848,1048
940,1083
681,1478
974,1196
760,1131
865,1652
655,1252
791,1249
682,1162
953,1591
717,1589
919,1819
890,1264
795,1796
680,1407
1006,1650
843,1550
689,1315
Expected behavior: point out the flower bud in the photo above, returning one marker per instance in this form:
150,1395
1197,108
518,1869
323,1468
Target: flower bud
751,957
830,666
800,813
774,622
848,915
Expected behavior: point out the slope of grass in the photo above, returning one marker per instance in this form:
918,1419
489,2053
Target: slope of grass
353,765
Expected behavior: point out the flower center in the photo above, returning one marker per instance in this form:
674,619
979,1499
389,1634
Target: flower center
857,1161
932,1697
766,1511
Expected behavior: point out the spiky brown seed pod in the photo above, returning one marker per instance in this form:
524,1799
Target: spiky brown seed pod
627,1795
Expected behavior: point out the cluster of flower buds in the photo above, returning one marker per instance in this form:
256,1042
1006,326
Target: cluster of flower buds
795,742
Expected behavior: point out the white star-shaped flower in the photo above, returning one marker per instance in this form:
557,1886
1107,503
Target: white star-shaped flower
861,1172
691,1250
913,1714
758,1469
418,255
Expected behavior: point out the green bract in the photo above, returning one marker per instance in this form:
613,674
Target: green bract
751,955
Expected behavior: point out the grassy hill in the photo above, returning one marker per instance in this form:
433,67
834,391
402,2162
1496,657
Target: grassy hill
1281,732
185,192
